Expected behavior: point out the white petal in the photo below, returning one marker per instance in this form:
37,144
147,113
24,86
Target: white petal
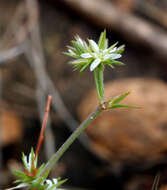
114,49
49,182
80,41
25,159
19,186
115,56
29,162
55,181
94,45
95,63
104,51
86,55
107,56
71,52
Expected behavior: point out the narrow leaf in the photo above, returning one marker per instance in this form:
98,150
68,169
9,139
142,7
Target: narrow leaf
117,63
98,75
102,40
120,98
111,47
121,106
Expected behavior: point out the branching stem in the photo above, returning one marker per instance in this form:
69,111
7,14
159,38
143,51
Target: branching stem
71,139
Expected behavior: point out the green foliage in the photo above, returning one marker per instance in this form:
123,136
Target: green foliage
114,102
30,178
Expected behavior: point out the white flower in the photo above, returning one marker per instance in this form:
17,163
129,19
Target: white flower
31,160
100,55
50,183
93,54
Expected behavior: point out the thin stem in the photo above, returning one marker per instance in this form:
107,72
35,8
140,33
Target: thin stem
98,76
71,139
41,137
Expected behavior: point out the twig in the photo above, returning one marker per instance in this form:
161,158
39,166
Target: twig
41,137
11,53
50,142
153,11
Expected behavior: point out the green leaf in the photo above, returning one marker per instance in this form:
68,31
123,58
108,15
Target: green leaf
84,67
121,106
24,160
117,63
77,47
111,47
98,75
78,61
19,174
61,182
40,169
102,40
120,49
118,99
110,64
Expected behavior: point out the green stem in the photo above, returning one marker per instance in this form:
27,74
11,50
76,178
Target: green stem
98,76
70,140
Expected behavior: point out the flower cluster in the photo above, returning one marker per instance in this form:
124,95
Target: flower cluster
93,54
31,177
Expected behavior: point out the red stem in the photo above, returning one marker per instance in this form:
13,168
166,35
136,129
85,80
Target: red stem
41,137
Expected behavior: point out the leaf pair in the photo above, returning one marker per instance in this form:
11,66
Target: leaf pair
115,102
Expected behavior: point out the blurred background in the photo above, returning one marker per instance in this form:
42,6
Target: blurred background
122,149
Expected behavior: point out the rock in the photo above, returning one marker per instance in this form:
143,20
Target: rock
130,135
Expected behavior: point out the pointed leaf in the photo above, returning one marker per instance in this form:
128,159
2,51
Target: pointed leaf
118,99
120,49
111,47
122,106
117,63
102,40
19,174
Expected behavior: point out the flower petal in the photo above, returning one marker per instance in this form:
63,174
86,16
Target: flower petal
71,52
94,46
112,50
55,181
95,63
86,55
115,56
49,183
19,186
